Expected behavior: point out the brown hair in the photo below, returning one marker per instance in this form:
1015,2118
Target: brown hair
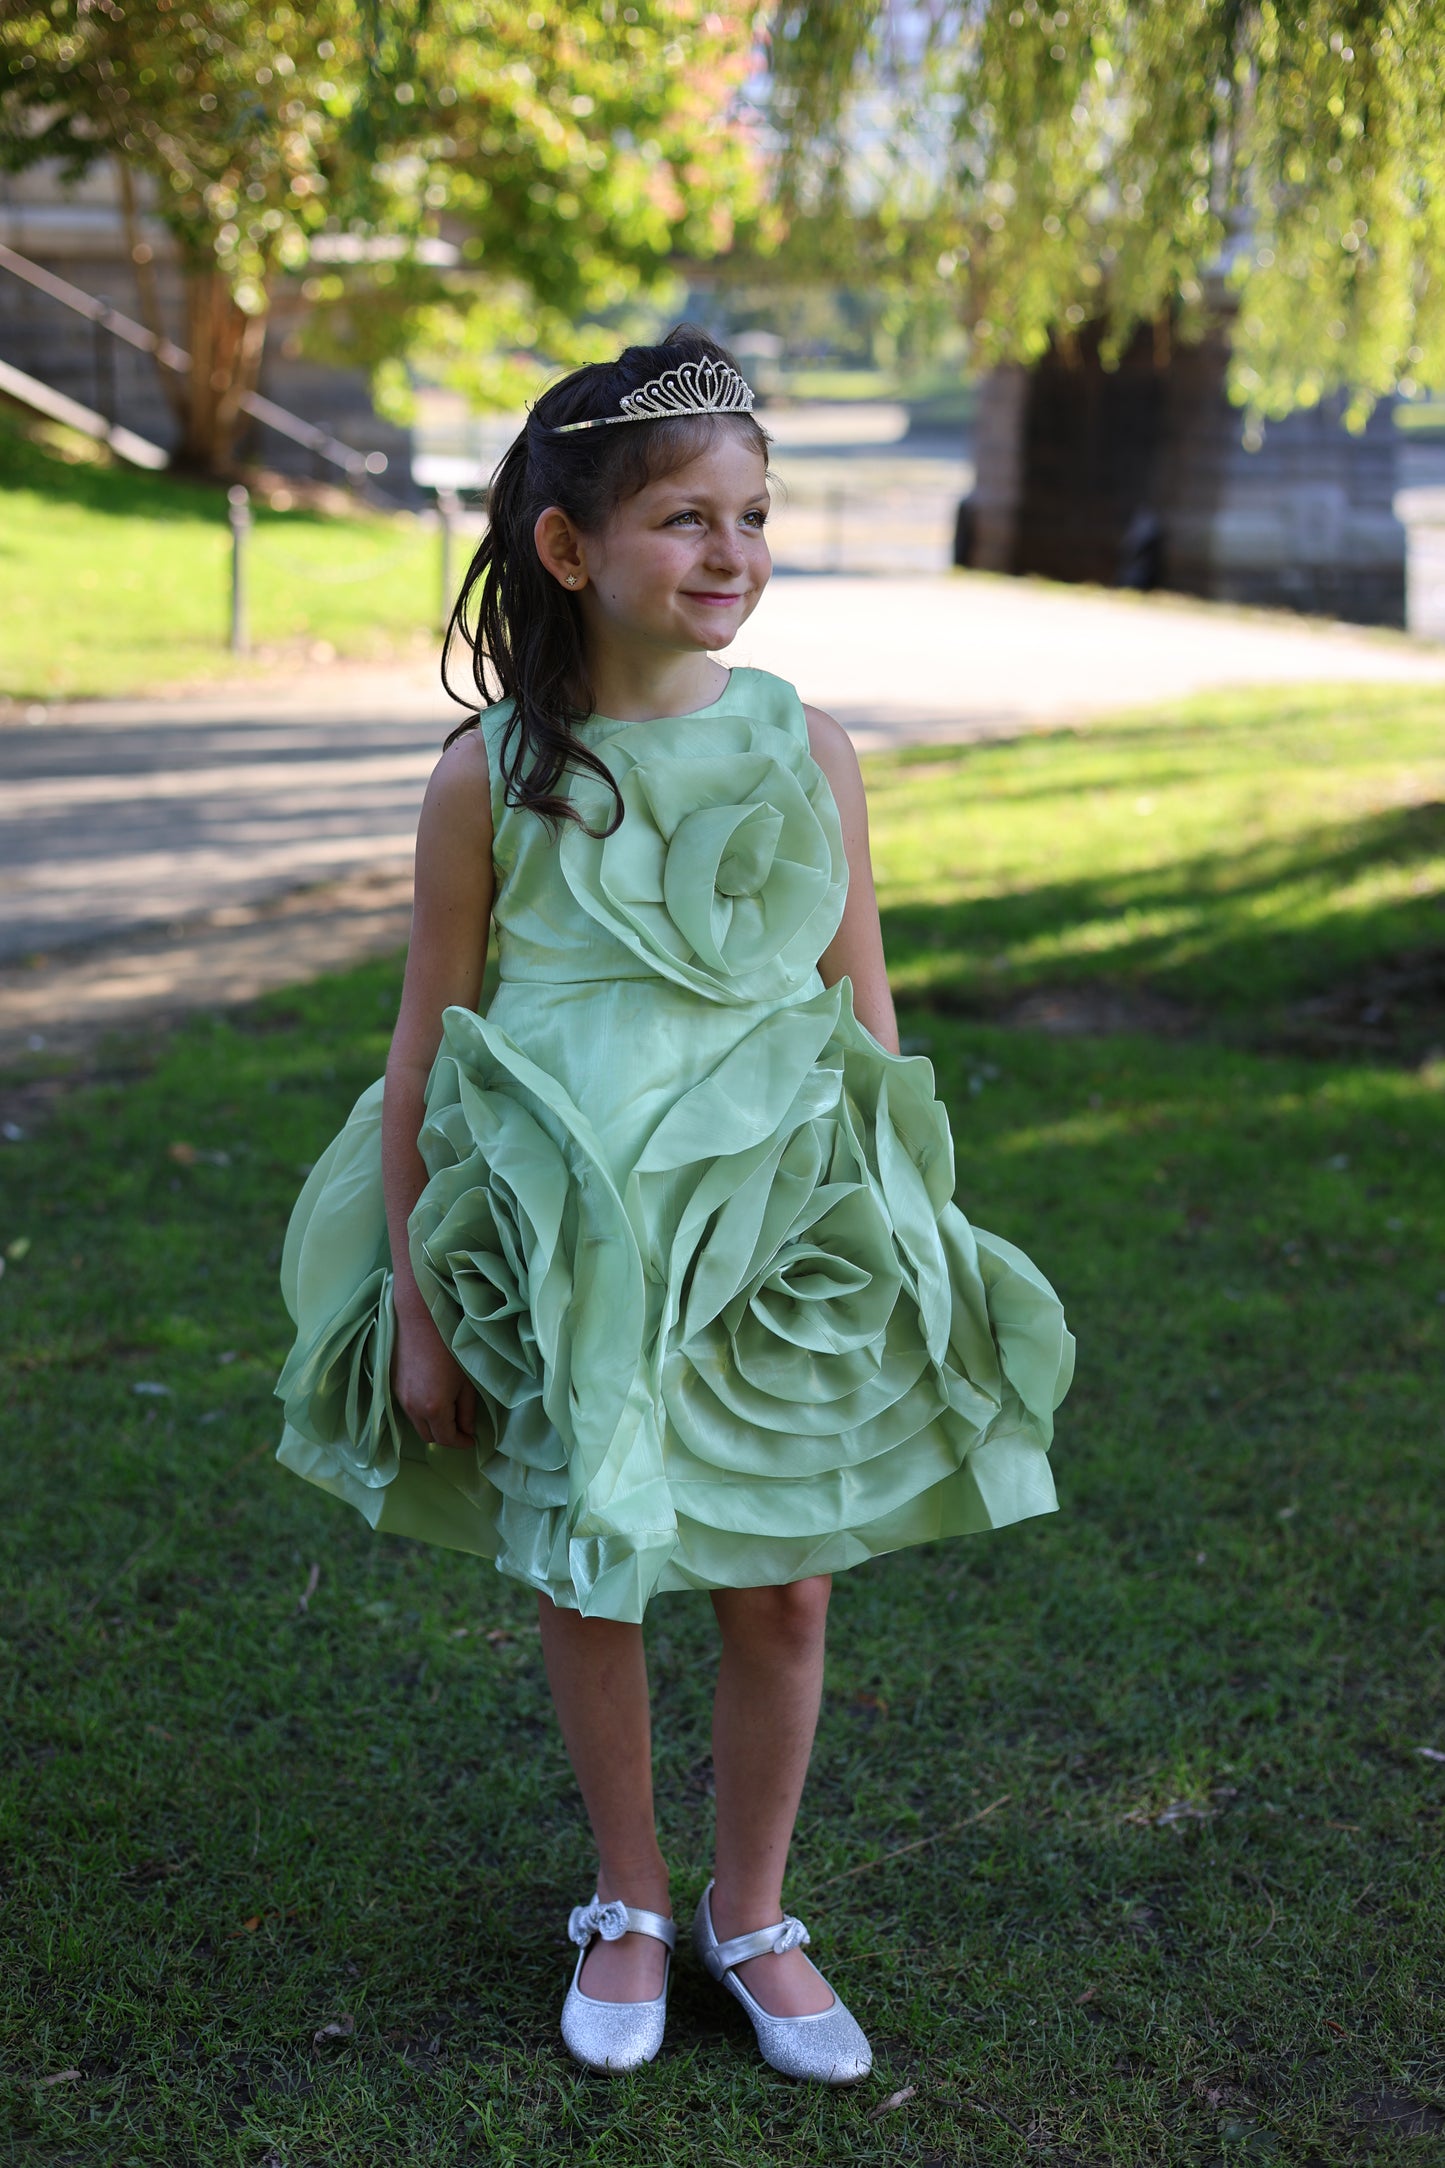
524,631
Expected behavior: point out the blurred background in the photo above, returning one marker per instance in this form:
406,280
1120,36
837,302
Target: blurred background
1081,293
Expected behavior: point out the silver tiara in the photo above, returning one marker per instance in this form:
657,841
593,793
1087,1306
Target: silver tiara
694,387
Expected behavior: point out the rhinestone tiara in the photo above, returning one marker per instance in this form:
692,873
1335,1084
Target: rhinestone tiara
694,387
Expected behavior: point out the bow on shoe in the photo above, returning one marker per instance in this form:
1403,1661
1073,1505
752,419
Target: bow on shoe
607,1920
792,1935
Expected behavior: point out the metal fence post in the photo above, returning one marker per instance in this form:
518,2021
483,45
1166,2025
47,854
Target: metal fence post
239,500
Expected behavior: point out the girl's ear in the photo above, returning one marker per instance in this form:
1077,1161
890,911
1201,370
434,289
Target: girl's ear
559,546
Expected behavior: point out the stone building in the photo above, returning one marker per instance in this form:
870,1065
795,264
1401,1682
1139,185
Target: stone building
1143,476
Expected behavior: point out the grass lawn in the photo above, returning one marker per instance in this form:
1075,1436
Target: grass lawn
117,582
1252,860
1120,1838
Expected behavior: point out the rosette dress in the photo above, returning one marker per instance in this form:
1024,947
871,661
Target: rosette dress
687,1227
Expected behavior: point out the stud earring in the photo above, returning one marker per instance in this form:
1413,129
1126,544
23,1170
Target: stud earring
571,579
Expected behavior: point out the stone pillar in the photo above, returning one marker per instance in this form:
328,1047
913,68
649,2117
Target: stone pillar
1142,473
999,469
1305,521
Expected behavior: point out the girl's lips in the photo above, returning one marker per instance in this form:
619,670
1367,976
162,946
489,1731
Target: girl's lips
695,594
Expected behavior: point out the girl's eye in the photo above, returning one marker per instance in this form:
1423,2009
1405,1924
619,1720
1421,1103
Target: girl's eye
756,520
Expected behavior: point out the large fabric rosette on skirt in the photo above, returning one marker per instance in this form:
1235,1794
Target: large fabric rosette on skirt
775,1348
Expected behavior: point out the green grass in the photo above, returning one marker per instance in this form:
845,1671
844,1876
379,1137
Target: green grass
1118,1839
118,582
1238,854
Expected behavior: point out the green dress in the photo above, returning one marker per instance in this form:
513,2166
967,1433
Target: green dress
687,1226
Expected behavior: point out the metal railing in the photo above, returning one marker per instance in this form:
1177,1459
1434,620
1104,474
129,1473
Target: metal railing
360,468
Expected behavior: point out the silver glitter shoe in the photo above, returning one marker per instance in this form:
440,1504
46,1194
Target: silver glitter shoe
828,2045
614,2035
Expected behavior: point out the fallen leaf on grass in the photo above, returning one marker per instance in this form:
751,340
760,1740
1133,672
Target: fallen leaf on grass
184,1155
1182,1810
60,2077
1332,2024
1430,1753
313,1582
272,1912
157,1732
1087,1996
894,2100
18,1249
335,2028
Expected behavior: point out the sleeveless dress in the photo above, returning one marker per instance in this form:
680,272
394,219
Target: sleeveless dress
687,1226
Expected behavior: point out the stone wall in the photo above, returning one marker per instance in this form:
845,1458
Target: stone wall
1142,475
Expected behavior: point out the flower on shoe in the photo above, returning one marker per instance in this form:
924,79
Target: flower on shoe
607,1920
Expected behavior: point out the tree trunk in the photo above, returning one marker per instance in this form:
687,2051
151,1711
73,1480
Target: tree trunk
225,345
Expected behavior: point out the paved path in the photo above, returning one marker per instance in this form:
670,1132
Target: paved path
144,845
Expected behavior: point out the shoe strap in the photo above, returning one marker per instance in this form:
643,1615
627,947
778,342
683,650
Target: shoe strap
789,1934
614,1920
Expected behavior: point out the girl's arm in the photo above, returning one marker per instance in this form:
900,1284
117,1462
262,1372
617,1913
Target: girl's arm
444,965
856,949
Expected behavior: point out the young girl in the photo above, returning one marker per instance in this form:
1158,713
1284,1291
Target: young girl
650,1279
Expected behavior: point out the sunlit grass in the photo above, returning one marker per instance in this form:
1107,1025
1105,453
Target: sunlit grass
1238,852
116,583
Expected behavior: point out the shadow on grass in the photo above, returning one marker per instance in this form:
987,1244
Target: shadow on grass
1238,934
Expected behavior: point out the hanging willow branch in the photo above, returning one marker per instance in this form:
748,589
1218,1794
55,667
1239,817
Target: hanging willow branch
1102,161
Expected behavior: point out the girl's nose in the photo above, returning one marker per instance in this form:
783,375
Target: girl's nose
725,551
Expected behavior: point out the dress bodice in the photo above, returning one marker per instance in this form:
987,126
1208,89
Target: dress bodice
726,876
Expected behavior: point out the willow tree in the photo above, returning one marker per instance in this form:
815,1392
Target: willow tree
1109,163
573,149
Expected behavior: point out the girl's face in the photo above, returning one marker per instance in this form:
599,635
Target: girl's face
681,565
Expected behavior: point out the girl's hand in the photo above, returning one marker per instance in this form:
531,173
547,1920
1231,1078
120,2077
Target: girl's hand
439,1398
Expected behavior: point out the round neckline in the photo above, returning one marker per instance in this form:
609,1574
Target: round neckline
689,715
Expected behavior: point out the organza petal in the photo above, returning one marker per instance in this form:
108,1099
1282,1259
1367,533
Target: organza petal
829,1311
727,873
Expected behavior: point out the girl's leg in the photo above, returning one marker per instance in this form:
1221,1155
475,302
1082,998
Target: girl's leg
598,1675
770,1682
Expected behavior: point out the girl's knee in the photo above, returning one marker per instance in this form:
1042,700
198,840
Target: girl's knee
786,1621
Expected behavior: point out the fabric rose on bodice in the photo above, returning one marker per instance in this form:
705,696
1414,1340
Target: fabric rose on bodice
727,874
829,1314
